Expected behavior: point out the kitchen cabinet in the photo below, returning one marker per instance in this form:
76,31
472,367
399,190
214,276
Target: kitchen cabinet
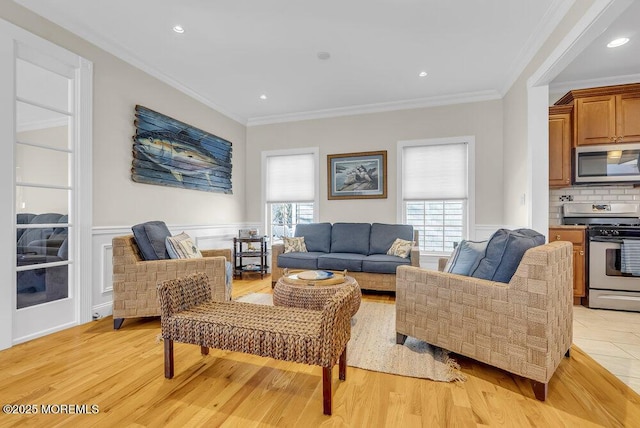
575,235
605,115
560,141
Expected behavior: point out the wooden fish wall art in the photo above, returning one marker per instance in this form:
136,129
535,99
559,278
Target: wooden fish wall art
168,152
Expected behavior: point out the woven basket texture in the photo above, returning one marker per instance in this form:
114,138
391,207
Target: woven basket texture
135,280
524,327
292,334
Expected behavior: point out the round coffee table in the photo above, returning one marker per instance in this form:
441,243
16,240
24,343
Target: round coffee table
292,292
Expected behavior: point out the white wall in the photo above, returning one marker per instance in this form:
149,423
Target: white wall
382,131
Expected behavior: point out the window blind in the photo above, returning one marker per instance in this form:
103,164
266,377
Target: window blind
434,172
290,178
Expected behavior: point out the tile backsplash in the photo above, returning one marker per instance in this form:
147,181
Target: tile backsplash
586,194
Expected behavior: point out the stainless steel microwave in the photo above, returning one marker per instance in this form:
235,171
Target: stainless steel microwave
607,163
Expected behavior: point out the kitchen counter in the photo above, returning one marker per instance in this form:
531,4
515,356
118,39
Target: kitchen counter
568,226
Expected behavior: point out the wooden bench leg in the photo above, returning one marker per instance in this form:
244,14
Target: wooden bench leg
540,390
400,338
343,365
204,350
168,358
326,390
568,353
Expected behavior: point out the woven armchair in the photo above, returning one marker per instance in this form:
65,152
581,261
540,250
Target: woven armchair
524,327
135,280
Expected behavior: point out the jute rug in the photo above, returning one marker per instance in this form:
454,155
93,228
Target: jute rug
373,345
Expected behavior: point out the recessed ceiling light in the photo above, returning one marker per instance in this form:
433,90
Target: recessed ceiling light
423,74
178,29
324,55
617,42
263,97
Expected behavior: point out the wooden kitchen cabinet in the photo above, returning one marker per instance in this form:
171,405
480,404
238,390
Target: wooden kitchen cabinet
560,141
577,236
605,115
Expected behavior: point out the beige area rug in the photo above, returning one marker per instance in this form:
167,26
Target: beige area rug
373,345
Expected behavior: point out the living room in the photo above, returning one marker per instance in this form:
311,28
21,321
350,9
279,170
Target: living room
505,149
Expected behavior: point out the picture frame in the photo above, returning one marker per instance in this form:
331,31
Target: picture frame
361,175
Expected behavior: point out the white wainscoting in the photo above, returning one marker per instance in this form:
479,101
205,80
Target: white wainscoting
205,236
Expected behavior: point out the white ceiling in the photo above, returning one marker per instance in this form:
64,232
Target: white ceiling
232,51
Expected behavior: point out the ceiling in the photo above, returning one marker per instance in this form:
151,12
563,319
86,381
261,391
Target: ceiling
233,51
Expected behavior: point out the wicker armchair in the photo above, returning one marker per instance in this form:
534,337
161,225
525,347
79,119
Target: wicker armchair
524,327
135,280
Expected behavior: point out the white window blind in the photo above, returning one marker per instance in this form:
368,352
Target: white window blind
434,172
290,178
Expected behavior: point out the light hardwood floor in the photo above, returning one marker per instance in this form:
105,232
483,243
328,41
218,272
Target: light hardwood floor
122,373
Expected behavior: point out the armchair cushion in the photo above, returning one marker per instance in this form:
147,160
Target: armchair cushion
465,257
504,252
150,237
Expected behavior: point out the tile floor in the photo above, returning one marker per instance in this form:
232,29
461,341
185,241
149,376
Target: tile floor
612,338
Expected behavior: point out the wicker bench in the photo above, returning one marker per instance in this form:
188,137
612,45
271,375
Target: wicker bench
189,315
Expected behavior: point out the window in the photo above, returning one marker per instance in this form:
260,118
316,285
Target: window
435,189
291,190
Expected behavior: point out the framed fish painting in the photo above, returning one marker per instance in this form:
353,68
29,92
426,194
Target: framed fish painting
168,152
357,175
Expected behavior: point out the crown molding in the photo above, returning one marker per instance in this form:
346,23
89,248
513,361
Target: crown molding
469,97
552,17
564,87
124,54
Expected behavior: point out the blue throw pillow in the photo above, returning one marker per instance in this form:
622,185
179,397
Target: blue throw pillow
504,252
465,257
150,237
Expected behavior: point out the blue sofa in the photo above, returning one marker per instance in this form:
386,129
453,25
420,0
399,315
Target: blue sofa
360,248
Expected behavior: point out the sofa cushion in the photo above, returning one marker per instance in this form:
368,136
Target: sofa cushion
466,257
150,237
382,263
317,236
383,236
350,238
308,260
294,245
341,261
504,252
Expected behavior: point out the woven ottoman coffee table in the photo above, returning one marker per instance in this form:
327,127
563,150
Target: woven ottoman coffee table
311,293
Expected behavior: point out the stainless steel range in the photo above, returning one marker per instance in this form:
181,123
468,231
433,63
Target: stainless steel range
613,232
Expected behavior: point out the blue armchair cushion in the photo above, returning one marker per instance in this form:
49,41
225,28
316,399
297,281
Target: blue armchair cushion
350,238
504,252
383,236
150,237
317,236
466,257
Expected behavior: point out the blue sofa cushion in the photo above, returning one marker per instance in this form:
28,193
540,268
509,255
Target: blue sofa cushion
317,236
350,238
382,263
150,237
504,252
466,257
341,261
383,236
308,260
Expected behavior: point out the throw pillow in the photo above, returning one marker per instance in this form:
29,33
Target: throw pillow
294,245
182,247
150,238
400,248
465,257
504,252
